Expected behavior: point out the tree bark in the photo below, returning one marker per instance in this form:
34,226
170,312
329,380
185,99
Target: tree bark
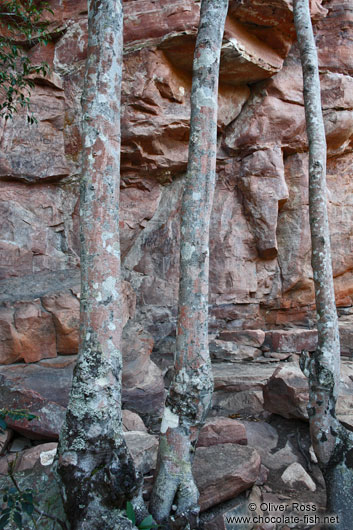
96,469
190,393
333,444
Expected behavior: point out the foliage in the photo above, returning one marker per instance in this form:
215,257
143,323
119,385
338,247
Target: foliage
16,505
16,414
146,524
21,506
21,26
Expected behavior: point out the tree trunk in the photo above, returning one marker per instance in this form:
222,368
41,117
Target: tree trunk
333,444
190,393
95,467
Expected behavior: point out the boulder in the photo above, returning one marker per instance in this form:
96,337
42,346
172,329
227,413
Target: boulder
238,388
296,477
291,340
42,455
5,438
223,471
49,415
221,350
143,384
52,382
247,337
132,421
264,437
287,394
143,448
222,431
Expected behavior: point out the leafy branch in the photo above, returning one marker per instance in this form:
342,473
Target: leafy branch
19,504
15,415
21,23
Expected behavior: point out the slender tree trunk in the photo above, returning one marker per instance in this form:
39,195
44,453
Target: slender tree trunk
191,390
95,467
333,444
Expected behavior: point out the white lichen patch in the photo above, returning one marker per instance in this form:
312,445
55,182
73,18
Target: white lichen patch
188,250
47,457
169,420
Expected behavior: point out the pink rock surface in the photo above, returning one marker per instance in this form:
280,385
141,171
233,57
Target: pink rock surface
65,309
27,333
292,340
42,455
223,471
250,337
221,431
50,415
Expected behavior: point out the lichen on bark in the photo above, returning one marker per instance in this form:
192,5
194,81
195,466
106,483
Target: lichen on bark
96,470
333,444
190,392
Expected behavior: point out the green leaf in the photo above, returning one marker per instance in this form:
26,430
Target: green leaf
130,512
17,517
4,520
3,424
27,508
147,523
28,496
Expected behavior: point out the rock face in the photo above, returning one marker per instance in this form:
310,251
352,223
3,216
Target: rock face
261,282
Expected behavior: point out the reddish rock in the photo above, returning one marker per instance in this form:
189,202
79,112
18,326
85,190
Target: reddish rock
51,382
143,448
153,20
291,340
223,471
65,308
222,431
334,32
260,272
221,350
249,337
27,333
132,421
264,189
5,438
38,154
42,455
36,229
50,415
287,394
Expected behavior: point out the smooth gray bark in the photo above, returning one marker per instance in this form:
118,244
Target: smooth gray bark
190,393
333,444
96,469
